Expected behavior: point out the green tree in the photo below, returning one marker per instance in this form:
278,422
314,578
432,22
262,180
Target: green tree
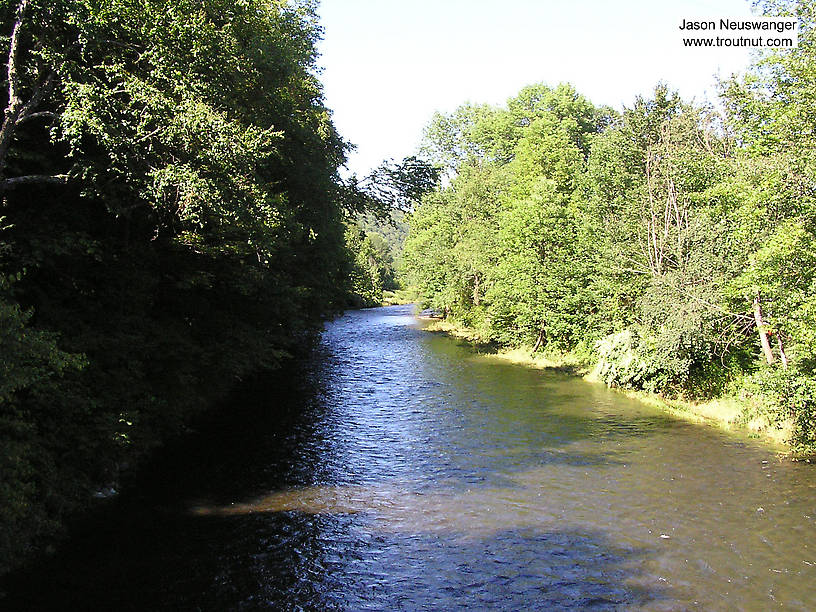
662,221
491,248
773,114
174,213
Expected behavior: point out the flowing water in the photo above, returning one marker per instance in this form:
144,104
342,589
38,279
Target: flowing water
401,470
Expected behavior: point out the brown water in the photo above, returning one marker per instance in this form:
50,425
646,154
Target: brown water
400,470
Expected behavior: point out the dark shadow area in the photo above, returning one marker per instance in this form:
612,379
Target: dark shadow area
378,402
290,561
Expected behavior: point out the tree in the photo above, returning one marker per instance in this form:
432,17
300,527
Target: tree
491,248
399,186
773,114
31,78
198,238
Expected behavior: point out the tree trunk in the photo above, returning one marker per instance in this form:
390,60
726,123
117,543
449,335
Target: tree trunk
15,102
540,339
18,110
782,354
763,333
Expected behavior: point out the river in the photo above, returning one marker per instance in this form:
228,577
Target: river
399,469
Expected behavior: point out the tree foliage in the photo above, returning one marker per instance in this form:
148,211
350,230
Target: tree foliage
173,221
675,240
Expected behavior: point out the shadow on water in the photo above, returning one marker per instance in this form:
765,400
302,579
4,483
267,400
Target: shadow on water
345,419
291,561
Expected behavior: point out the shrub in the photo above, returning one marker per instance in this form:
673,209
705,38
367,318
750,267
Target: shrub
621,362
779,395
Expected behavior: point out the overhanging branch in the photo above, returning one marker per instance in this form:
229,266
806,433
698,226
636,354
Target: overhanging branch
34,179
39,115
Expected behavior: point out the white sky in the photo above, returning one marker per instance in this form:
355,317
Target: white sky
389,64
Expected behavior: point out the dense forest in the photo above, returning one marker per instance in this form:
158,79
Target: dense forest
670,245
173,221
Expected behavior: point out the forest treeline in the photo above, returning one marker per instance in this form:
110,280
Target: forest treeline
670,245
172,221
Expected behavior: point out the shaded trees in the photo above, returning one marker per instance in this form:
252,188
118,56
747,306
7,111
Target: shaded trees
195,234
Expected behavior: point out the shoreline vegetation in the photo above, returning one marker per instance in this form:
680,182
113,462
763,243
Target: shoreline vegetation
174,221
398,297
726,413
671,244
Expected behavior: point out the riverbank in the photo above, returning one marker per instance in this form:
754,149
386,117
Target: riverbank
726,413
398,297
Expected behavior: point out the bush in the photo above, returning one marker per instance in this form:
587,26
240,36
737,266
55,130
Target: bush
621,361
780,395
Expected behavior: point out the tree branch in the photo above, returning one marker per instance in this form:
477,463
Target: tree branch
40,91
34,179
14,50
40,115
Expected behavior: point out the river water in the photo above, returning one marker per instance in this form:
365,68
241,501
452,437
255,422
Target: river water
399,469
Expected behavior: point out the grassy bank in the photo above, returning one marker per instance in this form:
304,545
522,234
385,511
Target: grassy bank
399,297
727,413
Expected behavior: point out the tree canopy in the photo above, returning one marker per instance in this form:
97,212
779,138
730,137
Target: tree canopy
669,244
173,220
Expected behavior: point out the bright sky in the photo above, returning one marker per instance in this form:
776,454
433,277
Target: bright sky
389,64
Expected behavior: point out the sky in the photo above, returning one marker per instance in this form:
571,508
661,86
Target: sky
388,65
